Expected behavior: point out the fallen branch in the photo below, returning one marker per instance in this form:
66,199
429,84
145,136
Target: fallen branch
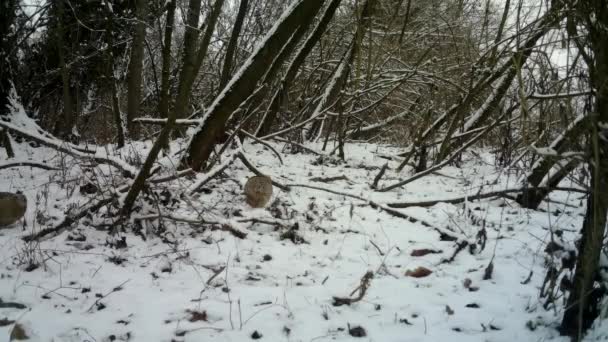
162,122
362,288
379,176
223,225
168,178
287,141
460,246
445,162
115,289
68,221
253,169
205,178
258,140
388,210
328,179
538,96
473,197
27,164
64,147
11,305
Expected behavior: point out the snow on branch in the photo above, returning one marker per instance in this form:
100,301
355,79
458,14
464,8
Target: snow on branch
100,156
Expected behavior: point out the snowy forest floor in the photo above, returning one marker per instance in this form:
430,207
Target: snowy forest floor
194,283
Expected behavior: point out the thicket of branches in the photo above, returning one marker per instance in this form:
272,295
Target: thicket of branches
434,77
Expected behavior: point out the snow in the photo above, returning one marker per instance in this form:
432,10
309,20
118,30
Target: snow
87,290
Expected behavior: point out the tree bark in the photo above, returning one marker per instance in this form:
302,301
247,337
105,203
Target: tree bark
187,72
116,112
531,198
185,85
292,70
532,195
7,18
67,122
194,53
232,44
163,106
582,307
253,102
338,80
241,86
134,75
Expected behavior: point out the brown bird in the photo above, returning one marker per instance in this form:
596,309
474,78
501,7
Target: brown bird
258,191
12,207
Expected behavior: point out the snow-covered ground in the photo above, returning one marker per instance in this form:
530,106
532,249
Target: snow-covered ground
193,283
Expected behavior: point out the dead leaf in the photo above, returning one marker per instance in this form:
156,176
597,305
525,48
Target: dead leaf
467,283
419,272
423,252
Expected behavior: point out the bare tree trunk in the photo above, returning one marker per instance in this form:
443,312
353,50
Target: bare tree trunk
253,102
583,302
7,17
185,85
405,20
194,53
187,72
134,75
5,141
67,122
232,44
116,112
338,80
242,85
501,27
163,106
120,128
292,70
531,198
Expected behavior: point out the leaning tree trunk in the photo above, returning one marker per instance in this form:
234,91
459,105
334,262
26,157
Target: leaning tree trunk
253,102
244,83
531,196
292,70
583,302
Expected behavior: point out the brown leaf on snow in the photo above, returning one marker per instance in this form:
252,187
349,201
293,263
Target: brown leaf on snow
467,283
419,272
423,252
